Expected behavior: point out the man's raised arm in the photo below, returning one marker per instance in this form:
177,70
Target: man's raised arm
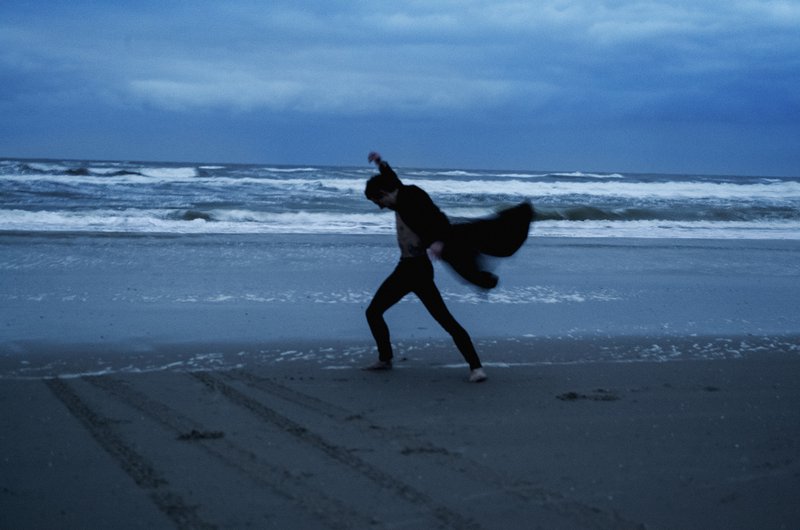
383,165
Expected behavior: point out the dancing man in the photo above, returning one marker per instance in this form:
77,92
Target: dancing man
421,228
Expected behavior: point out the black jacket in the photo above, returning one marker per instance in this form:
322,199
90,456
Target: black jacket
500,235
464,243
422,216
418,211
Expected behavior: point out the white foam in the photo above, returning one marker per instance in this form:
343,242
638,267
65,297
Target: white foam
290,169
589,175
523,175
44,166
169,173
314,180
302,222
460,173
529,295
106,177
782,229
503,296
160,221
636,191
495,365
102,170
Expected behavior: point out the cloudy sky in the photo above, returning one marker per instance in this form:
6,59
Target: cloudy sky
675,86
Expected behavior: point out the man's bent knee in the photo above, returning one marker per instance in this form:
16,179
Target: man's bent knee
373,313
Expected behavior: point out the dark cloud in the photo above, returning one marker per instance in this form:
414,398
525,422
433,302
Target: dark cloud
534,84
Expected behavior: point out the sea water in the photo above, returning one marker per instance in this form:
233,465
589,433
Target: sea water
40,196
133,266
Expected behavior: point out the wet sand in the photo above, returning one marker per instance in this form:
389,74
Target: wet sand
213,382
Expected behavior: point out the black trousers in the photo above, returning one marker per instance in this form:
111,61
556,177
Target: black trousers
415,275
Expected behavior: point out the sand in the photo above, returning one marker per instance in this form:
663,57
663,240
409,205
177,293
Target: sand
692,444
163,382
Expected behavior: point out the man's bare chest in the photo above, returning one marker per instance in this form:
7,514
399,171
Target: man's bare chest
410,243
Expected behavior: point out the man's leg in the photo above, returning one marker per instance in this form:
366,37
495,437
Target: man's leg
430,296
393,288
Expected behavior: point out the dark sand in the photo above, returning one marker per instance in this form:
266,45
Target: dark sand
213,382
691,444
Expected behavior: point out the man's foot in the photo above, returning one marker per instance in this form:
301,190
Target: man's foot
378,366
477,376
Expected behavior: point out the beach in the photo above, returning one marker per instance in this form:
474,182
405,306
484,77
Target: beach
203,209
76,304
704,444
213,382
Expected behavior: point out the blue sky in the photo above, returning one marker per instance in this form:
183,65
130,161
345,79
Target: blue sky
697,86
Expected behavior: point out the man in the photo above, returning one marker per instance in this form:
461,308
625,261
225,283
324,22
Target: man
421,227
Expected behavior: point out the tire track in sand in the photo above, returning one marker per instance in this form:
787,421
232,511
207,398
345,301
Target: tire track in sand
444,515
135,465
582,515
281,481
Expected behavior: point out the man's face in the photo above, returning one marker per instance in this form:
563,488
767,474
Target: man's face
384,200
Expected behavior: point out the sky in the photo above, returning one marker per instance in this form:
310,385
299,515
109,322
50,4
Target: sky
663,86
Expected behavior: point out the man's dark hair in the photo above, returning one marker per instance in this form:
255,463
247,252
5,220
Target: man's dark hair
381,182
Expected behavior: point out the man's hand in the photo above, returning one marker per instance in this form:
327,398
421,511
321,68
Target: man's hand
436,249
374,156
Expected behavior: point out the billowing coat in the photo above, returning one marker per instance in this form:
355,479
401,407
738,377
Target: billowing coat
465,243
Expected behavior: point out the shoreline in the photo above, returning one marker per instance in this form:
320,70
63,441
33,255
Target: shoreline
182,298
38,360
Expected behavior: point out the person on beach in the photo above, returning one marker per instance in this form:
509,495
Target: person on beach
422,228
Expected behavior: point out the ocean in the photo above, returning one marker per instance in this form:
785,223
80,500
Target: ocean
57,196
129,266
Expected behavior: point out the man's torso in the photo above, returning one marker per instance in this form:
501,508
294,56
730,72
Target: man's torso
409,242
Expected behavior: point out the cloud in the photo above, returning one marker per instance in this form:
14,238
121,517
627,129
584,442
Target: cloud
446,56
519,70
350,91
